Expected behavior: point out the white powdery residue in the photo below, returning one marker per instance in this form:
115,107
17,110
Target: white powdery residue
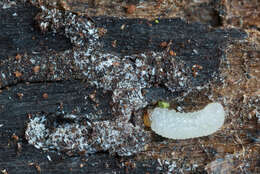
88,52
158,55
81,59
174,125
137,99
44,24
129,81
36,131
108,136
181,84
153,72
3,75
128,101
92,32
32,61
177,73
228,163
138,63
257,109
8,4
116,137
69,137
143,55
169,166
109,60
120,137
199,88
80,31
258,116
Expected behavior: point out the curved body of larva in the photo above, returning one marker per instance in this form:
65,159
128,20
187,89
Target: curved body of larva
174,125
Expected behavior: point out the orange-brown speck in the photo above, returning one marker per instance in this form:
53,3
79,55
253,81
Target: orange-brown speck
130,9
17,74
45,96
163,44
146,118
18,57
172,53
20,95
36,69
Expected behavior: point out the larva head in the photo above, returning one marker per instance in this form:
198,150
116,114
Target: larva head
146,118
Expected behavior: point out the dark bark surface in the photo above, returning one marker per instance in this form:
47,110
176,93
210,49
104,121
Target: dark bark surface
70,95
19,35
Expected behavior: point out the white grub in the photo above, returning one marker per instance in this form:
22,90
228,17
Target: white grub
175,125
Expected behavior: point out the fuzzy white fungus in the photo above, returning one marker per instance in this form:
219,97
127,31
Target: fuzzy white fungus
176,125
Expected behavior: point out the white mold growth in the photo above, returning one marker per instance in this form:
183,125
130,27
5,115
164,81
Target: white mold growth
175,125
117,137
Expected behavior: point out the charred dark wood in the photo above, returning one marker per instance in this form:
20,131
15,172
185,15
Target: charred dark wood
19,35
193,43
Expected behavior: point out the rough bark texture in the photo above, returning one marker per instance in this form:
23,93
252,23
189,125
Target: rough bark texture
230,75
19,34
